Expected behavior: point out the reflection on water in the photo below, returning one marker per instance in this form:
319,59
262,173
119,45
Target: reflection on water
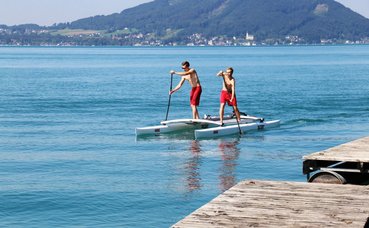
193,166
228,154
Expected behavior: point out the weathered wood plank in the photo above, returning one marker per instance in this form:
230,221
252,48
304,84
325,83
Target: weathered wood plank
284,204
355,151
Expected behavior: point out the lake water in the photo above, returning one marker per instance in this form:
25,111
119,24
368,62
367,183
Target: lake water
68,152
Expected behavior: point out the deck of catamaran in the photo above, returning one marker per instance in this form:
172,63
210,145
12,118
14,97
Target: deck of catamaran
209,127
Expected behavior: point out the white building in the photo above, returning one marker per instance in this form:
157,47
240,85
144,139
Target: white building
249,37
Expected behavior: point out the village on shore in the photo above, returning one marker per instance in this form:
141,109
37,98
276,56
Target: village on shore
43,37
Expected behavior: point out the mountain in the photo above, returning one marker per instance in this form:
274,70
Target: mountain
204,22
312,20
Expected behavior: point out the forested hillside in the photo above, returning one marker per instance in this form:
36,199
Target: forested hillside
205,22
311,19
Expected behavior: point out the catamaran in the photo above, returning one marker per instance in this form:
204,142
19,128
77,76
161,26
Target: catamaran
209,126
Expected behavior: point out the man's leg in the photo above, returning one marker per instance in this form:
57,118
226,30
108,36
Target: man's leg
237,112
195,113
221,112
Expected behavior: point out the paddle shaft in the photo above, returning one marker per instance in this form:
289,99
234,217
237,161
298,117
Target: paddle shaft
234,110
238,123
170,96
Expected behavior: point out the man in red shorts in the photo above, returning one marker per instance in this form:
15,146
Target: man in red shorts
228,93
191,76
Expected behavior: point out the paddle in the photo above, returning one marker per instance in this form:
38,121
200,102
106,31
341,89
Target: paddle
170,96
238,123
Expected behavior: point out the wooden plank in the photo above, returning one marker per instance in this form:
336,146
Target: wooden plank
355,151
284,204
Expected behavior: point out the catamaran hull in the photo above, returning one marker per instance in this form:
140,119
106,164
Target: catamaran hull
234,129
160,129
185,124
163,129
193,124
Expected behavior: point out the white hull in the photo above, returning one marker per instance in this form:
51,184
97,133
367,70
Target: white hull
172,127
193,124
184,124
160,129
234,129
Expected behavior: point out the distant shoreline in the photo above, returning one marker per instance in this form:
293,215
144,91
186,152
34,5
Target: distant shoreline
179,46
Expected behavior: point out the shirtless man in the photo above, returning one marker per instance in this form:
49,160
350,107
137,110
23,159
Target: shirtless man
228,93
191,76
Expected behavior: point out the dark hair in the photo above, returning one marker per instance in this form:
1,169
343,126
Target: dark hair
186,63
230,69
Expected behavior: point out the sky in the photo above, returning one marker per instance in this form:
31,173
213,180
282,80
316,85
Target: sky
48,12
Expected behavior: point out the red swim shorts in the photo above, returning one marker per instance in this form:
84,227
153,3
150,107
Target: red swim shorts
195,95
226,97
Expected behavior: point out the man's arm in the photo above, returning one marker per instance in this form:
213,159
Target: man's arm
183,73
178,86
220,74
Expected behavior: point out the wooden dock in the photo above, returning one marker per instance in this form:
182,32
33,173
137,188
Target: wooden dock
348,162
284,204
355,151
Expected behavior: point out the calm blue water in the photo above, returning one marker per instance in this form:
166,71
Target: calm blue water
68,152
